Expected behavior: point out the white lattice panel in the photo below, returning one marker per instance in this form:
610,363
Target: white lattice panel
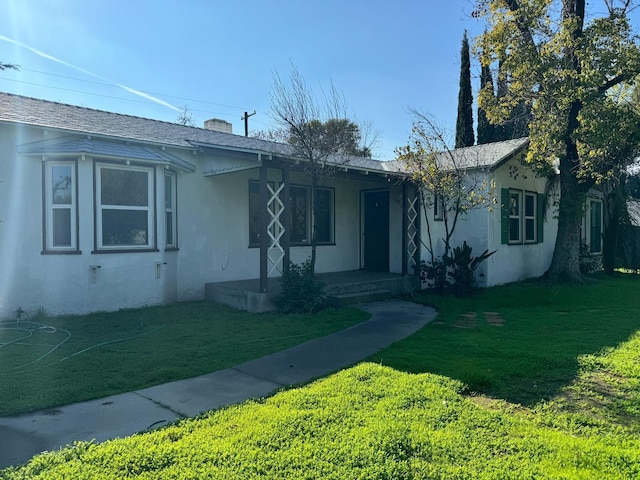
413,212
275,230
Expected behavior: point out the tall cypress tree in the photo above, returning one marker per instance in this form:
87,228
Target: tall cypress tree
486,131
464,123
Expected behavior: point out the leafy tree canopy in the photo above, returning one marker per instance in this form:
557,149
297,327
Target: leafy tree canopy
341,135
562,60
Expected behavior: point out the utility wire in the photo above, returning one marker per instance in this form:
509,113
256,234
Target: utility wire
106,96
116,86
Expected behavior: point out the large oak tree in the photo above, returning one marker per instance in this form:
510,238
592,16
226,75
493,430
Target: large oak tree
562,61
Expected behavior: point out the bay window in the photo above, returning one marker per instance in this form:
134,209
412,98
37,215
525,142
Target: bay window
61,207
170,197
124,207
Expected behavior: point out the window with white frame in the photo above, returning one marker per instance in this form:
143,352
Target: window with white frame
61,214
124,207
170,197
530,217
522,220
515,216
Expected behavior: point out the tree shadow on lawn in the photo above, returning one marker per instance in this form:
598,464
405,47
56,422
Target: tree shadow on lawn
535,352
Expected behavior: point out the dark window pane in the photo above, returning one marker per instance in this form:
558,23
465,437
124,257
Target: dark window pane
169,220
324,215
124,187
299,209
596,227
529,205
61,184
124,227
514,230
514,205
254,213
530,230
61,227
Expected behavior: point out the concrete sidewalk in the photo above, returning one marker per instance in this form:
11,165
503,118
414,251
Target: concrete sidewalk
23,436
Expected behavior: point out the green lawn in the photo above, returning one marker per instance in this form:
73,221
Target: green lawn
571,354
51,361
536,352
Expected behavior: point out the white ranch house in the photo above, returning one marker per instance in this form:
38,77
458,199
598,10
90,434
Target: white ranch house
102,211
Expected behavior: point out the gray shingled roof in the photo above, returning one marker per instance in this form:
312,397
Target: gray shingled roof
489,155
43,113
69,118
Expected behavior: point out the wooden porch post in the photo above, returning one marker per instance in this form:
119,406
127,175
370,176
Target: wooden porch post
263,198
405,233
286,221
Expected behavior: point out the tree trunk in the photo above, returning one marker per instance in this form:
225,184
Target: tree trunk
565,265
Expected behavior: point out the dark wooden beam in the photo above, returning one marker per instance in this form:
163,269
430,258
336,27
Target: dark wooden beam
405,233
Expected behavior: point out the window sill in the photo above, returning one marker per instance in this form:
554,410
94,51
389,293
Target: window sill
323,244
171,249
61,252
128,250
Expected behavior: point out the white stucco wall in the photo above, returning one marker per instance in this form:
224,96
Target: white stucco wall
513,263
68,283
481,229
471,227
213,237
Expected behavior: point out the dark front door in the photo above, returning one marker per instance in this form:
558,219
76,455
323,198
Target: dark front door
376,231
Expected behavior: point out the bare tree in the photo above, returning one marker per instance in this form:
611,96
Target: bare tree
185,117
318,128
450,184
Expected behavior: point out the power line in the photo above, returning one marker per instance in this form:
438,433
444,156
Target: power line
108,96
117,86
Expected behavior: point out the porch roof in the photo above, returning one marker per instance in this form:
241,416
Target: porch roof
232,159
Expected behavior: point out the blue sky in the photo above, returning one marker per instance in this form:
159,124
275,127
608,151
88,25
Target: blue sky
149,58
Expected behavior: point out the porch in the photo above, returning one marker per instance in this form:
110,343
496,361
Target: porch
340,287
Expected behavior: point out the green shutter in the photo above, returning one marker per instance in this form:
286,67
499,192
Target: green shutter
504,215
540,216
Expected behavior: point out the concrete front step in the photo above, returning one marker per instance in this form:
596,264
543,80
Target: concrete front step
396,284
343,299
347,287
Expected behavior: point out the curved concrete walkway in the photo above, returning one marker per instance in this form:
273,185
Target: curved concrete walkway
23,436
